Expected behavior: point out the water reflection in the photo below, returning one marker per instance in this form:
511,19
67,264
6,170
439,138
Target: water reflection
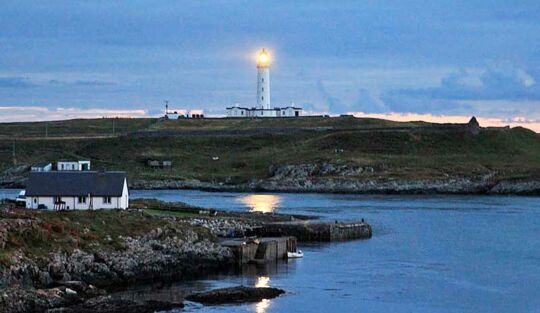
262,282
261,203
262,306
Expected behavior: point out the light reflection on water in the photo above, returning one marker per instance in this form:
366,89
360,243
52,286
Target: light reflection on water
261,203
443,254
262,282
262,306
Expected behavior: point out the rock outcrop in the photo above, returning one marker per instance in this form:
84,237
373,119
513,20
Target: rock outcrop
235,295
167,252
106,304
342,178
65,279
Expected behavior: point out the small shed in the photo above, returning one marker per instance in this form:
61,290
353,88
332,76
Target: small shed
159,164
41,167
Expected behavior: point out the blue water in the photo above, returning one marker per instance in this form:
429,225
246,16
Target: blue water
428,254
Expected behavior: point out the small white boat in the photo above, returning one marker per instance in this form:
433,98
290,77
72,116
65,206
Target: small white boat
295,255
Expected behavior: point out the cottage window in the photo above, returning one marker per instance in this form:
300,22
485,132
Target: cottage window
107,200
82,199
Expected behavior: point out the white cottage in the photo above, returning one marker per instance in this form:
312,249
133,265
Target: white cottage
73,165
77,190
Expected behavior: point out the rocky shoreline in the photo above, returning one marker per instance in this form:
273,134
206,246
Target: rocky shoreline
65,279
332,178
453,186
72,261
353,179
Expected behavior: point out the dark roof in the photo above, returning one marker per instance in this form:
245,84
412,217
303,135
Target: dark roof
83,183
258,109
41,164
296,108
242,108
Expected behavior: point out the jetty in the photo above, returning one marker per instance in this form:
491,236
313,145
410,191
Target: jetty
261,250
316,230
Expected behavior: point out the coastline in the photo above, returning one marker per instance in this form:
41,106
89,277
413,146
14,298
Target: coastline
69,261
458,186
454,186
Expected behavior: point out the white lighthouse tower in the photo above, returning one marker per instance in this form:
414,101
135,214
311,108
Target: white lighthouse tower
263,80
263,108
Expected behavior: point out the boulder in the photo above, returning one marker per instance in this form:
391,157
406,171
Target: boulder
238,294
106,304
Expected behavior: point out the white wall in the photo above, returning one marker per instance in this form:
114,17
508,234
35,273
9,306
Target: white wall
290,112
67,166
236,112
264,113
72,166
47,168
121,202
83,163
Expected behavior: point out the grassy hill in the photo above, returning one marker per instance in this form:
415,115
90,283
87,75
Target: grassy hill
411,150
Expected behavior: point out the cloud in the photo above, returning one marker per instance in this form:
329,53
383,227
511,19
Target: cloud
490,84
484,121
15,82
84,83
369,56
38,113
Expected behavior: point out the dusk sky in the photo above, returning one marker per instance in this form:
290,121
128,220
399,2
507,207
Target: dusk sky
431,60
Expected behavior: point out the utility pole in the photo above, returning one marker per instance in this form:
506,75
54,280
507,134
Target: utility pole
46,129
113,125
166,107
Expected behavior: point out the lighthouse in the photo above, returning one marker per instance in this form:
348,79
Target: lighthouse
263,80
263,108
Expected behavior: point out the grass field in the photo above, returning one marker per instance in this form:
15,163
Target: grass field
395,150
66,231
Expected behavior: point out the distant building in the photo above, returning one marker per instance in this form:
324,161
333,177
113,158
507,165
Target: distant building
41,167
77,190
172,115
159,164
237,111
73,165
263,108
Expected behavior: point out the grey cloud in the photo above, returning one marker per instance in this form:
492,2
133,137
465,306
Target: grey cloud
370,103
333,104
88,83
15,82
495,84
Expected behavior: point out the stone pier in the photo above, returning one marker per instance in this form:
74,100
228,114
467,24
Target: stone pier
317,230
261,250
